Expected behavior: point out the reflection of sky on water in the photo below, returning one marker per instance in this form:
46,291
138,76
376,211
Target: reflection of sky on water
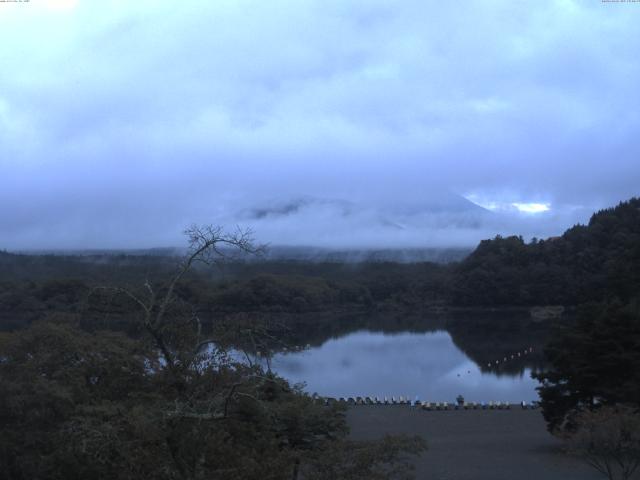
428,365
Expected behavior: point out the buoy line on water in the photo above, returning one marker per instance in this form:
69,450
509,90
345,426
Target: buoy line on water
459,404
514,356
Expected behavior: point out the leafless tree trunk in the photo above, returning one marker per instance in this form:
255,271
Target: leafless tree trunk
207,245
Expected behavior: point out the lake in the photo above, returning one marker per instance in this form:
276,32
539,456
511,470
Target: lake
432,365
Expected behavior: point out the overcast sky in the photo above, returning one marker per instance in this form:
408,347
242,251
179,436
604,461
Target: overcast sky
316,122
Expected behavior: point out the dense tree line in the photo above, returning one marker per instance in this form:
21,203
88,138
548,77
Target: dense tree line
283,287
588,262
169,401
593,362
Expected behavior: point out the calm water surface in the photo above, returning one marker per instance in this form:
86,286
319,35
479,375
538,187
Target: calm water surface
428,365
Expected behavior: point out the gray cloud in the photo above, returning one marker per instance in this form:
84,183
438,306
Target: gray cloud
122,123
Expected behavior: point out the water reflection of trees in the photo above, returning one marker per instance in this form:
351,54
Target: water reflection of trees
485,337
491,337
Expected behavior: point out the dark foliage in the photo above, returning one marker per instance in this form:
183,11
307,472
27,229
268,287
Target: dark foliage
594,362
592,262
166,401
98,405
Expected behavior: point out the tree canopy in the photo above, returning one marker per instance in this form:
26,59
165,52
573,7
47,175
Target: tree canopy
169,401
594,362
588,262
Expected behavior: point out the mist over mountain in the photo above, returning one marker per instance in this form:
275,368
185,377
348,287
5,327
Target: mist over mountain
440,219
373,225
374,136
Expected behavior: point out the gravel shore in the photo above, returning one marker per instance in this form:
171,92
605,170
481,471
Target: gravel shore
474,444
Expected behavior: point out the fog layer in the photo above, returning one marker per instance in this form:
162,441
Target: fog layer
328,123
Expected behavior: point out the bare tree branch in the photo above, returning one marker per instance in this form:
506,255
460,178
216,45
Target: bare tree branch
207,244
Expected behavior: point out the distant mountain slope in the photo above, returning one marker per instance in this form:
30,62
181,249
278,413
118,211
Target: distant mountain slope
588,262
434,219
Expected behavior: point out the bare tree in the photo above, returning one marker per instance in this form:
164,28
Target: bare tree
208,245
161,406
608,439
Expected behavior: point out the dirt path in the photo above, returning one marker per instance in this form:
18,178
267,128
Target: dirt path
476,444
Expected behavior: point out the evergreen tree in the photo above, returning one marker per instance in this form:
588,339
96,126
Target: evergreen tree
594,362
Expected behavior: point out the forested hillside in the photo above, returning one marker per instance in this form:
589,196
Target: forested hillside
588,262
